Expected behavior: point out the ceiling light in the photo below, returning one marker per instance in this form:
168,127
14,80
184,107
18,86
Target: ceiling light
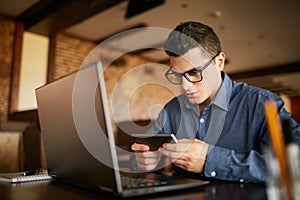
216,14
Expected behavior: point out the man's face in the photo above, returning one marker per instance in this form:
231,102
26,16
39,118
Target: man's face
197,93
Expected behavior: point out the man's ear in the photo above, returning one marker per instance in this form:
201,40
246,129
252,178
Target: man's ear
220,61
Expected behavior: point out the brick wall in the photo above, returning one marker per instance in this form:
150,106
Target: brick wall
70,53
136,90
6,49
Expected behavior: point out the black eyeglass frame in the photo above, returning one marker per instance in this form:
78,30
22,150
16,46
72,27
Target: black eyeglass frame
198,69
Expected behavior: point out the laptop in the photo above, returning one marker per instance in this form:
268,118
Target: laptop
79,141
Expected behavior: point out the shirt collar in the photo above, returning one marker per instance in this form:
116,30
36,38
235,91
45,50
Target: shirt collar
223,95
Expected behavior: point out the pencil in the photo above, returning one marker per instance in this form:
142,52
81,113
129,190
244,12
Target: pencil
278,145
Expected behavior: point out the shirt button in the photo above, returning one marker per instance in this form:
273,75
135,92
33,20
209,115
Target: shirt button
213,173
201,120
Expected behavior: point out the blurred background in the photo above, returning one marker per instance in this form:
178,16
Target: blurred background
42,40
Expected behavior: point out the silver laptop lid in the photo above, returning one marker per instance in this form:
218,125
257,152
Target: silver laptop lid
76,130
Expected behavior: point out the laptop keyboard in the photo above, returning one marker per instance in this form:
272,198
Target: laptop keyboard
135,182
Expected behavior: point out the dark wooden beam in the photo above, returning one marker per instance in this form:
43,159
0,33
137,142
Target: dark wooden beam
156,46
279,69
16,67
51,58
139,25
39,11
27,115
49,17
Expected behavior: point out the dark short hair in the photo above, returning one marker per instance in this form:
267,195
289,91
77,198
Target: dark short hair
189,35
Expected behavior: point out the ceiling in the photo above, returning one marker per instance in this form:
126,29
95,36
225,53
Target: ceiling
257,36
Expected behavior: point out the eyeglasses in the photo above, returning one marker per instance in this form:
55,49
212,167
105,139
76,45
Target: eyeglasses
193,75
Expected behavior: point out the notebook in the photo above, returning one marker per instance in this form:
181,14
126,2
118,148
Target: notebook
20,177
78,138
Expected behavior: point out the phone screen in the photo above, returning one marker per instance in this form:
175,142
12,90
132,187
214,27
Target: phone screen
154,141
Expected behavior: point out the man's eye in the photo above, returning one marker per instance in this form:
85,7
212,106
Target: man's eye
193,73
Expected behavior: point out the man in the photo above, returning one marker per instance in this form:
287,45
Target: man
220,124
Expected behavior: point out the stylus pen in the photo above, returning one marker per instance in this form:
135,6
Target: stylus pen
174,138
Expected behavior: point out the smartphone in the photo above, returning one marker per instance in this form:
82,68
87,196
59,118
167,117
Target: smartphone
154,141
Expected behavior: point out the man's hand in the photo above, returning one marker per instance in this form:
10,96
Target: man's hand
187,154
146,160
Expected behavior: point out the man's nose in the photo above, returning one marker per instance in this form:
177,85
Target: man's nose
185,83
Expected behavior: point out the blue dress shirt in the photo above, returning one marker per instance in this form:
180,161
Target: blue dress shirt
237,154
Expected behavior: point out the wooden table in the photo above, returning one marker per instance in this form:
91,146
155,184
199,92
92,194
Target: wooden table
43,190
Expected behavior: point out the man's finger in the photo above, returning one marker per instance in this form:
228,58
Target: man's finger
139,147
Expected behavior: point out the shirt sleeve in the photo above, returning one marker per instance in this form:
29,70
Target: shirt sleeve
162,124
229,164
232,166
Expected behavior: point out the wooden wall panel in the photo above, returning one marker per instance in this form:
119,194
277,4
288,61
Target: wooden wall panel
295,104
